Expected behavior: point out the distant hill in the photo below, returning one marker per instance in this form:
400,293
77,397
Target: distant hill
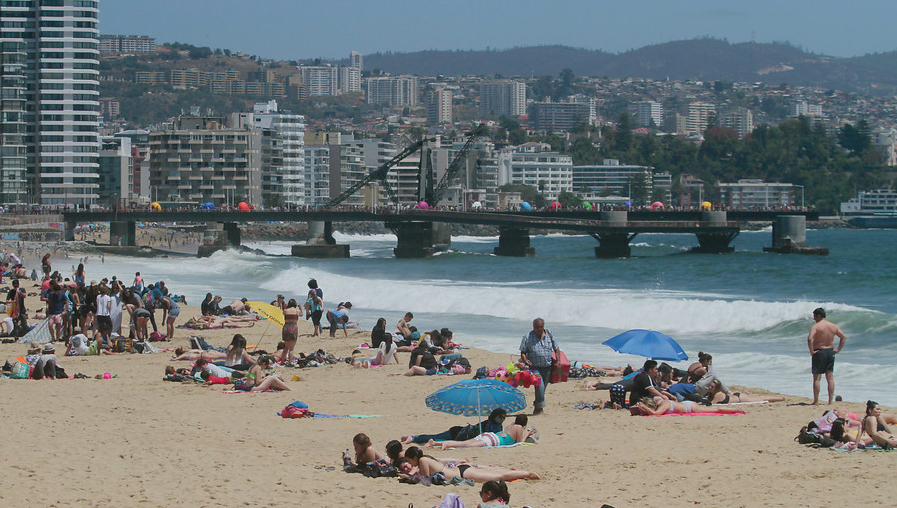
704,59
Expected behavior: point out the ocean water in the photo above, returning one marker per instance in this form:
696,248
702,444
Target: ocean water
751,310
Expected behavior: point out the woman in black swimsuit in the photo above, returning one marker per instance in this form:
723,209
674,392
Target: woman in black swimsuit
428,465
717,396
874,425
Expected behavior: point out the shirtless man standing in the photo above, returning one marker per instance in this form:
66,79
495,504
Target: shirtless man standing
821,342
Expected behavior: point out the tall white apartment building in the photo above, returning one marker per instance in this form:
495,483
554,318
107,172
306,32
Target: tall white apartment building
439,106
801,108
645,112
356,60
282,151
698,118
320,79
317,175
503,98
740,119
49,108
112,44
534,164
392,90
349,79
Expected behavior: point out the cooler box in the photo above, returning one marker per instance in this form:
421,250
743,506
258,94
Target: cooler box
560,370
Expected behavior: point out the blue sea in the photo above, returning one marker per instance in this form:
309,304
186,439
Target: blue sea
751,310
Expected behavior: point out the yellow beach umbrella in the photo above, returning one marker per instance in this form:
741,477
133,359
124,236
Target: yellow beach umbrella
268,311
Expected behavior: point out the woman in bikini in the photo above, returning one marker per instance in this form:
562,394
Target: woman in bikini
290,333
364,450
716,395
651,406
874,426
514,433
191,355
257,381
236,356
428,465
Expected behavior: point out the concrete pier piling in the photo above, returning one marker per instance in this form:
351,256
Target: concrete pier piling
320,243
789,236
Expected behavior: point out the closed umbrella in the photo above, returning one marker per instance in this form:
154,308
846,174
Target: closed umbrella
647,343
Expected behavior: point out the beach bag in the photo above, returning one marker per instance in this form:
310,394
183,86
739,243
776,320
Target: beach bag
378,469
560,367
618,395
157,337
482,373
20,371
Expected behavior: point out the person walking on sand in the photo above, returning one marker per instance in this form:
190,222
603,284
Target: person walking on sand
535,351
821,342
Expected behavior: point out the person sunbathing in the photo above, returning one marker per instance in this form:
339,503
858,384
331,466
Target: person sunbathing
385,355
457,433
364,450
218,322
256,380
428,465
191,355
716,395
514,433
876,427
667,407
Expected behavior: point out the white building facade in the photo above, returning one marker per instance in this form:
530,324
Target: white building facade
50,108
534,164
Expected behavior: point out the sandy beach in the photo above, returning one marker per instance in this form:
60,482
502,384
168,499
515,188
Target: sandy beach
136,440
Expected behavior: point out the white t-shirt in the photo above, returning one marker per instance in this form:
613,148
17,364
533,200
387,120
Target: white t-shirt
78,343
104,304
216,371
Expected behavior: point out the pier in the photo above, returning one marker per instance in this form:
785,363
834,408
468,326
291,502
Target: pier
421,233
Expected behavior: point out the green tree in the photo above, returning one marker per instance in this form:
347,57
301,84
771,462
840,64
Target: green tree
623,133
638,188
569,199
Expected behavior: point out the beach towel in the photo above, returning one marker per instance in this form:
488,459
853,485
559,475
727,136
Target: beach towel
40,333
502,446
697,414
241,391
870,448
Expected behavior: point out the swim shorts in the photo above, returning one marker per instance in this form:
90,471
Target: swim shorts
823,361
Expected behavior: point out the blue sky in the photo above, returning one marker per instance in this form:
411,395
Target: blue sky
300,29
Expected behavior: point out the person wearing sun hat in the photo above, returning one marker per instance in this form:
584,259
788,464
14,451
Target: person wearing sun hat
46,364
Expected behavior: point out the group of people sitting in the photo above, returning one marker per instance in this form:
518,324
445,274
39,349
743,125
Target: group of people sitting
845,429
657,389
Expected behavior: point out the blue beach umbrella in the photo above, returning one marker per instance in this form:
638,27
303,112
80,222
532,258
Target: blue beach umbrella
647,343
476,397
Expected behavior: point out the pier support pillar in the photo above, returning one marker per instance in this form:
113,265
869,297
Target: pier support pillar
415,239
232,234
320,243
613,245
714,243
789,236
68,233
614,218
514,242
125,232
214,238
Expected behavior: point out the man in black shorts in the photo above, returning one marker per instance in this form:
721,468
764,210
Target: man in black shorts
821,342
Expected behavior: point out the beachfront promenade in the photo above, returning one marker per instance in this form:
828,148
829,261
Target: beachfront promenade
420,233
